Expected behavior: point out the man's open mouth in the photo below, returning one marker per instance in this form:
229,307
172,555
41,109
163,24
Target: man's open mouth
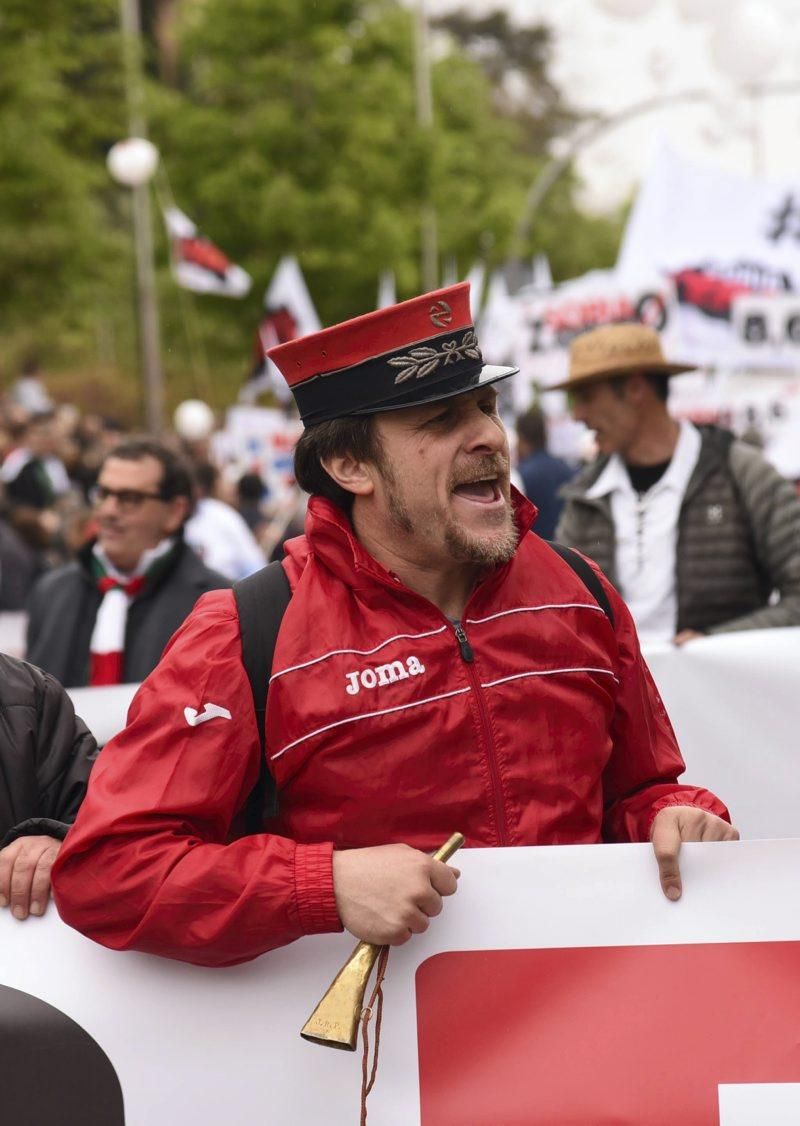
485,491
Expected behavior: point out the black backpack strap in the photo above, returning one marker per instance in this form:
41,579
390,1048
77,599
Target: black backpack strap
261,601
587,575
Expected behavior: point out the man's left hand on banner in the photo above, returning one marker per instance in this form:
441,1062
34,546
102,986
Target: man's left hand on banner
25,874
678,823
686,635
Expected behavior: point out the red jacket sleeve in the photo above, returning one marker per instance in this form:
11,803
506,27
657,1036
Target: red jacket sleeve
150,864
641,777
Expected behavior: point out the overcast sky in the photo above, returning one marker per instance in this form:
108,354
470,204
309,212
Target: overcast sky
606,63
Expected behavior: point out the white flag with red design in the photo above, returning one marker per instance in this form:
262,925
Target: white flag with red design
289,312
198,263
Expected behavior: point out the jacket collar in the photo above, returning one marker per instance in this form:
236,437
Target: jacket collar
714,446
615,478
330,537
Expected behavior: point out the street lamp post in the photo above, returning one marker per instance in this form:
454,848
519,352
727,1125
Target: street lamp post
424,99
150,353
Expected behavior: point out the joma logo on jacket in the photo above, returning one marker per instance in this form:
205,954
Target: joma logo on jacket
383,674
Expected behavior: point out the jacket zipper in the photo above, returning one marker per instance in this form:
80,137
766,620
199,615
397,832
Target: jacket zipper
468,658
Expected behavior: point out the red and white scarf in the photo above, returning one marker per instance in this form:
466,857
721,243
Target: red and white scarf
107,646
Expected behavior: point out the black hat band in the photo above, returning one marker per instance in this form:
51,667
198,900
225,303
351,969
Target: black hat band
401,378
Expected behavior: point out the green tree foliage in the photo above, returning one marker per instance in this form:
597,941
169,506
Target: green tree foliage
61,254
516,60
284,127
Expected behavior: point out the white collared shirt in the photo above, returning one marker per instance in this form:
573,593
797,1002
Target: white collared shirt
646,531
147,558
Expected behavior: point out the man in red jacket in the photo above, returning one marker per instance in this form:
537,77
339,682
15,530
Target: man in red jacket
438,668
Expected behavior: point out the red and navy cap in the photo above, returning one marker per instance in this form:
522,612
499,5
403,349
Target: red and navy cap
401,356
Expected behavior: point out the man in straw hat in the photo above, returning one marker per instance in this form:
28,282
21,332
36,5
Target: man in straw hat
695,529
437,668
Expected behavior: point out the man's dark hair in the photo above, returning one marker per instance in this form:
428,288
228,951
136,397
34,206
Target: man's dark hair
532,428
657,380
250,488
355,435
38,418
206,477
176,476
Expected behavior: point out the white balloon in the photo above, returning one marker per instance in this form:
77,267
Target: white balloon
193,420
747,42
626,8
697,10
133,161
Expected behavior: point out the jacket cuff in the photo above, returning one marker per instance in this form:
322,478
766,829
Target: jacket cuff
707,802
313,881
36,827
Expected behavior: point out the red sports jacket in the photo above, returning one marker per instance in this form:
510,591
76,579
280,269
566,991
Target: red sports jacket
541,725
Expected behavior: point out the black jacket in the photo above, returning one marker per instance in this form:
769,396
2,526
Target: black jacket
64,603
46,754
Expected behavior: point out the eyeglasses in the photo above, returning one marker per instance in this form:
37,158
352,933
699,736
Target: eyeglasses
127,499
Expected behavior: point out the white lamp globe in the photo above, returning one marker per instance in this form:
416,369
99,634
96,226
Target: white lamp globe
193,420
697,11
747,43
133,161
626,8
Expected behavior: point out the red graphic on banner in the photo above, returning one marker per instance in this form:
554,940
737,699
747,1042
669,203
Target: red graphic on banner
603,1036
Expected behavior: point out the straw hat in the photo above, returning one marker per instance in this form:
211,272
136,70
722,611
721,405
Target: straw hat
615,350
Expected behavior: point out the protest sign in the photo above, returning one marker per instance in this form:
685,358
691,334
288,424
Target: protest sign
729,245
559,986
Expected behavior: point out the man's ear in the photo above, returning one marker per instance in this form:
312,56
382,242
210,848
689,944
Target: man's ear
177,513
350,474
636,388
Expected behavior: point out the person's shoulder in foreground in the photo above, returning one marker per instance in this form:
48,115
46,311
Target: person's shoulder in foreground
46,756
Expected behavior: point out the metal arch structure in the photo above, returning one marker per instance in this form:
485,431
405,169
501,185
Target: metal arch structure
593,128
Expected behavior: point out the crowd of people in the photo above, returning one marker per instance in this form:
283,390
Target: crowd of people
51,456
416,552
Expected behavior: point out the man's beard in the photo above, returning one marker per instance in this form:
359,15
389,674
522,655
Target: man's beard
494,547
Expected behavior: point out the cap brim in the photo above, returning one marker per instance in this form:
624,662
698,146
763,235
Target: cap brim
618,369
490,373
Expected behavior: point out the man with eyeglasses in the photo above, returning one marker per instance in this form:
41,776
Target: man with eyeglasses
106,617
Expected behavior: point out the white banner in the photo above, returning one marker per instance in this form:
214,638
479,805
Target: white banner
551,319
731,702
558,987
546,321
730,247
